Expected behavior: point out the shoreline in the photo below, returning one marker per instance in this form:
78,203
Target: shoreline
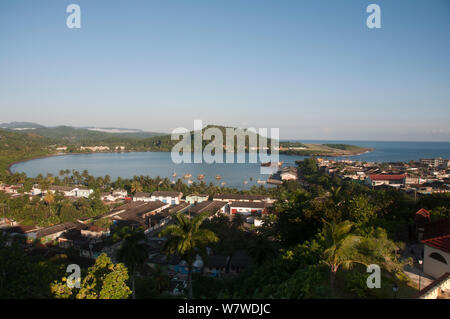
8,169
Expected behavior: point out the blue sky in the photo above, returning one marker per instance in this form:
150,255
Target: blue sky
311,68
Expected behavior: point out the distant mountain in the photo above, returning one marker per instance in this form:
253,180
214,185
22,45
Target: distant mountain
77,135
20,126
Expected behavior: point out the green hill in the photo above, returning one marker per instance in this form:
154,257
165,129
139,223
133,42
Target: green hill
17,146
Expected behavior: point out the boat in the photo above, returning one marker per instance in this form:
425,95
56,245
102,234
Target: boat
268,164
200,177
190,182
259,181
245,182
174,174
186,176
223,183
218,177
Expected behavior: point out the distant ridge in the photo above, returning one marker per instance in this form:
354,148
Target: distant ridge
79,134
20,125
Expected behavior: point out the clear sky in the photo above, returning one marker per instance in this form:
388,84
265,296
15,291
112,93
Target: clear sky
311,68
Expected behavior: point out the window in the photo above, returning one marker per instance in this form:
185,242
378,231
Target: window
438,257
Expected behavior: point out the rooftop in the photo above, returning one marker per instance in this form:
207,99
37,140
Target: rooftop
441,243
248,204
382,177
238,197
207,206
142,194
167,194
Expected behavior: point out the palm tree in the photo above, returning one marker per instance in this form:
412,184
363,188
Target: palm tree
160,278
238,221
336,194
185,237
132,253
136,187
49,198
341,248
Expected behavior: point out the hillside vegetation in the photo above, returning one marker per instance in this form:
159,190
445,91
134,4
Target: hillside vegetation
15,146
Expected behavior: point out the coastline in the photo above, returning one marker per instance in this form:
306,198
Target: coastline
8,169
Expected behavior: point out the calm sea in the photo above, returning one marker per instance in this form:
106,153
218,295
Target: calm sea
127,165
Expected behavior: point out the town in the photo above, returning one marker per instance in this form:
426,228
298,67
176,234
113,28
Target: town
428,176
149,213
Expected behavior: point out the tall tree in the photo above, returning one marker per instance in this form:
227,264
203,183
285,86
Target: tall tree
133,252
136,187
341,247
185,238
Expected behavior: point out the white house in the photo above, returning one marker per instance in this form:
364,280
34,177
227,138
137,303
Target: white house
172,198
436,260
83,192
142,197
196,198
289,173
247,208
385,179
35,190
120,193
68,191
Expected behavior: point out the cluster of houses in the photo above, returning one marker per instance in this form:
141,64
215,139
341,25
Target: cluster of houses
424,177
37,190
150,212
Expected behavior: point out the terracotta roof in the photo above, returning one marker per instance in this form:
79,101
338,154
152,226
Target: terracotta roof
422,216
379,177
441,243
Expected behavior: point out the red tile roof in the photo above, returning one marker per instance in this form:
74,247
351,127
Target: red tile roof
378,177
422,216
441,243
